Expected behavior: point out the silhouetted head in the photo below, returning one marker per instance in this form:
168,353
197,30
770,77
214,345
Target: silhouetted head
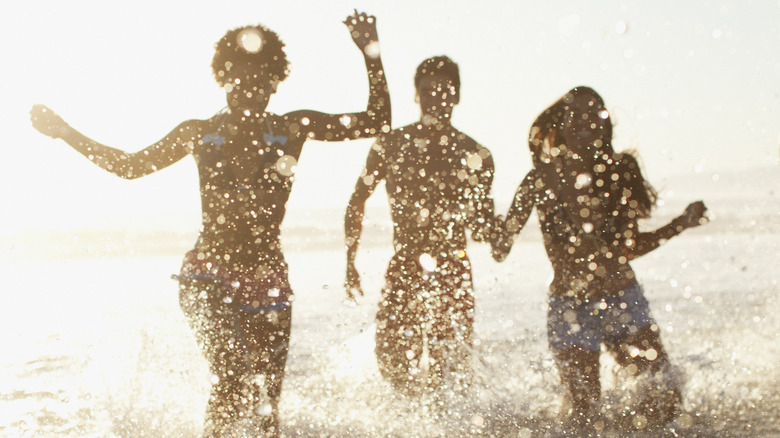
250,63
571,141
575,129
586,119
437,83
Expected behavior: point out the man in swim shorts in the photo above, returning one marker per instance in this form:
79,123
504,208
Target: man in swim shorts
438,183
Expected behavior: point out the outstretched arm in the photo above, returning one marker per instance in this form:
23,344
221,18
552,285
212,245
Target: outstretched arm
372,174
375,119
516,218
167,151
693,216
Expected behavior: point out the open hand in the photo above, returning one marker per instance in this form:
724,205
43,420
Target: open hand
362,28
47,122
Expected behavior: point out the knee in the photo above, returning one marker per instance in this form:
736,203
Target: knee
642,351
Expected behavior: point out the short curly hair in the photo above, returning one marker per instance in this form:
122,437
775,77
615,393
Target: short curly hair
438,65
255,46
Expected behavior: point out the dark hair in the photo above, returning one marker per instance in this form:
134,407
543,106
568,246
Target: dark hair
636,192
269,58
438,65
621,172
580,93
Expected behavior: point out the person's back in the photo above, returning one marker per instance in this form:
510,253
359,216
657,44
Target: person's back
435,176
438,181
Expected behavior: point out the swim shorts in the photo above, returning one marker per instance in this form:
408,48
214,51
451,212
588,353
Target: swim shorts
574,322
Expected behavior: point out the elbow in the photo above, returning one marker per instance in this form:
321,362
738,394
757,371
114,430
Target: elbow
499,249
127,168
380,120
499,256
126,173
127,176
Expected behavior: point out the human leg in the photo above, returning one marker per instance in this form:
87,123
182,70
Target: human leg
246,354
399,339
574,338
267,340
450,310
635,342
578,369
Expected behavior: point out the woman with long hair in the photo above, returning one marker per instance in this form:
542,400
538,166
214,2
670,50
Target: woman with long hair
589,200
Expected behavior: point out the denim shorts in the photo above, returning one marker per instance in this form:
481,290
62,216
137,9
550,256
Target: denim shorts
573,322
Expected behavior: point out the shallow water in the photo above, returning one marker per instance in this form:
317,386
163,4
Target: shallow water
94,343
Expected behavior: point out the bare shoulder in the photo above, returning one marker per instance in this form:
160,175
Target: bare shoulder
195,128
399,134
395,139
472,147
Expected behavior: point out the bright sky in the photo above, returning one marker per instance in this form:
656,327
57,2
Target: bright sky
694,85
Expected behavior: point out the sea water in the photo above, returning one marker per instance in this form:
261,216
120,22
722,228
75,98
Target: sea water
94,345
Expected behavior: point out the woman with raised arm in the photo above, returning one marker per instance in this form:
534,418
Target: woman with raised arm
589,200
234,286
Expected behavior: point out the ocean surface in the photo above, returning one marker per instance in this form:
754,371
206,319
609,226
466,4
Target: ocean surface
93,343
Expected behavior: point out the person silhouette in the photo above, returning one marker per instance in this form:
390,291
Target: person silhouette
234,287
438,183
589,200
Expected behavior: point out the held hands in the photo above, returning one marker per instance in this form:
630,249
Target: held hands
362,28
47,122
500,240
694,215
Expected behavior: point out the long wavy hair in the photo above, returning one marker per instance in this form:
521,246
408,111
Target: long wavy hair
617,177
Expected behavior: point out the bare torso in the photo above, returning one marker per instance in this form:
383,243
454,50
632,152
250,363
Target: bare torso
433,181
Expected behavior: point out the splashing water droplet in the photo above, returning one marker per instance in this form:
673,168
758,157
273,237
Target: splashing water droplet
428,262
583,180
250,40
372,49
621,27
717,33
286,165
587,227
474,161
265,409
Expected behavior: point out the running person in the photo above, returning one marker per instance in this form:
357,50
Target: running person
589,200
234,286
438,182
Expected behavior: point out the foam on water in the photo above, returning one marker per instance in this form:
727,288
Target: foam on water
97,346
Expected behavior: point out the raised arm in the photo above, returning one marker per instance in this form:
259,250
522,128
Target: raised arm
372,174
644,242
376,119
165,152
516,218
